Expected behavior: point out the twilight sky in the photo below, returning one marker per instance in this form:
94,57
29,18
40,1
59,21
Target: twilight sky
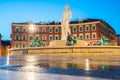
49,10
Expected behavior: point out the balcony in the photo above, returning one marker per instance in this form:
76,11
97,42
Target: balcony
39,32
44,40
31,32
20,40
21,32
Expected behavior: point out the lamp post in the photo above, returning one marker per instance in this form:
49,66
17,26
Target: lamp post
31,26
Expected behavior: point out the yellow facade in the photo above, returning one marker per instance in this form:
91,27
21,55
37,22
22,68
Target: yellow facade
4,51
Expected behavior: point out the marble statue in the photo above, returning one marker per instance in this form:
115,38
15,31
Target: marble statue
65,23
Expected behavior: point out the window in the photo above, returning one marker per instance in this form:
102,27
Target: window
93,27
74,29
24,38
81,37
50,37
37,30
43,37
80,29
93,35
74,36
23,45
56,37
56,30
16,45
87,28
50,30
87,36
60,29
24,30
43,30
59,37
16,38
17,29
30,37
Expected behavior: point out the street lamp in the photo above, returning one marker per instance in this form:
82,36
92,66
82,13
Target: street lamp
31,26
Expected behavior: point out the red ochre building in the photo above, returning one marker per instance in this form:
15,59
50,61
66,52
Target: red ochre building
89,30
118,39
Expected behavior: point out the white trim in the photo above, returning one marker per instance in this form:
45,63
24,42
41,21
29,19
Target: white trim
23,38
16,37
23,44
86,35
95,35
82,36
94,26
74,27
23,29
88,27
50,36
17,45
49,30
43,37
57,37
17,28
81,27
55,29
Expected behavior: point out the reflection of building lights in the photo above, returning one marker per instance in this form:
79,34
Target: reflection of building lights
8,58
87,64
88,78
30,76
8,50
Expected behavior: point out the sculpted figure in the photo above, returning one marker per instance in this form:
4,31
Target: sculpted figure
65,23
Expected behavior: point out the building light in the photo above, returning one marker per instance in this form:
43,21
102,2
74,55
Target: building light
32,27
87,64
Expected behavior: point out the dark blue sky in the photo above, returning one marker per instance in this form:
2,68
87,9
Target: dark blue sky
49,10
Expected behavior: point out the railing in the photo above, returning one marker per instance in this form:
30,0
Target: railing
20,40
21,32
33,32
38,32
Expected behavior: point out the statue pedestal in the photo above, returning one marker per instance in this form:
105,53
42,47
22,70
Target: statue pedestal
63,43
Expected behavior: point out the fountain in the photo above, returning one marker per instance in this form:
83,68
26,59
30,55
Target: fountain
68,46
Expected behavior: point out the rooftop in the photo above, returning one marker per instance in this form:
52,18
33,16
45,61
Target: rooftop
57,22
71,22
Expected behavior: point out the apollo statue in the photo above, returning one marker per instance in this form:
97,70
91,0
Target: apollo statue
65,23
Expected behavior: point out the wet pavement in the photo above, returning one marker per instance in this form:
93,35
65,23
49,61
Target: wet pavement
59,68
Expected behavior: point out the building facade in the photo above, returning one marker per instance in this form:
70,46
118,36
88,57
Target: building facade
4,47
118,39
89,30
0,45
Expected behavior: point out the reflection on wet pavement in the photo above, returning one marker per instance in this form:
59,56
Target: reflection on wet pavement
13,75
60,68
